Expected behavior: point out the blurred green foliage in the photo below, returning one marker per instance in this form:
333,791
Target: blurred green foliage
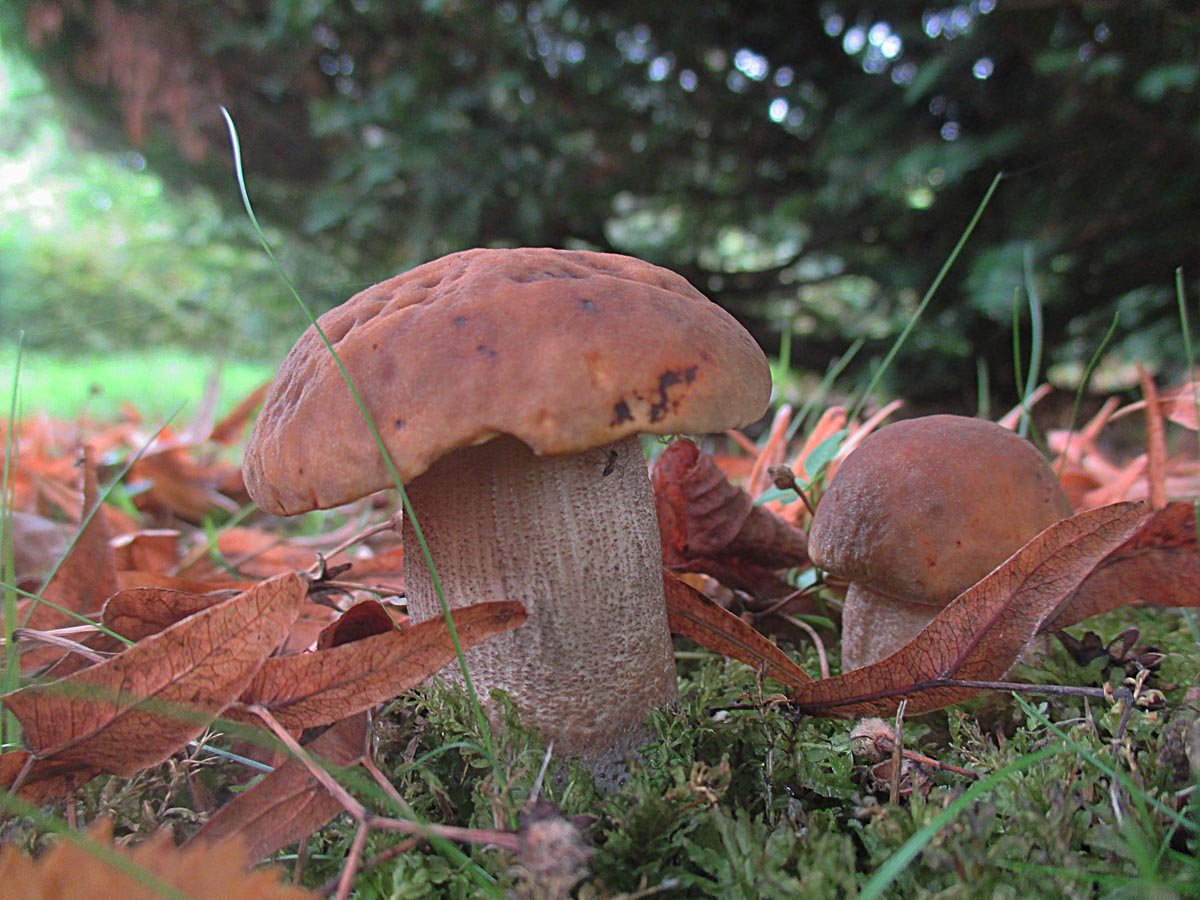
809,166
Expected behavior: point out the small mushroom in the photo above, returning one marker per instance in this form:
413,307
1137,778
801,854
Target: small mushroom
920,512
509,386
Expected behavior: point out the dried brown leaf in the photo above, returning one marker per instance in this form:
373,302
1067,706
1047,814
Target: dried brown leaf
288,804
311,689
692,615
708,525
41,781
138,613
86,577
1158,566
78,866
139,707
984,630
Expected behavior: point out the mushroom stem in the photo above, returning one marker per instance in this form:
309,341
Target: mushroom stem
575,539
876,625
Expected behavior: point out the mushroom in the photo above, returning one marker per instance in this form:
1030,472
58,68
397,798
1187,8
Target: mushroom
921,511
509,387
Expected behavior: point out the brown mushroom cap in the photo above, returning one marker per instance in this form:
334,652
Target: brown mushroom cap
564,350
926,507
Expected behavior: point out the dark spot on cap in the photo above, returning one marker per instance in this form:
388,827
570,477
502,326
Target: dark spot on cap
460,321
398,424
486,351
587,305
666,381
621,413
375,346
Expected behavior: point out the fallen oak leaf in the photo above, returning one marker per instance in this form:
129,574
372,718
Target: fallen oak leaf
692,615
1158,566
983,631
136,709
90,865
288,804
311,689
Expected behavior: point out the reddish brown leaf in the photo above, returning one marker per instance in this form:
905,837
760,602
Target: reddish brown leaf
983,631
138,708
137,613
83,581
230,428
288,804
154,550
692,615
75,868
709,525
42,781
1158,566
311,689
360,621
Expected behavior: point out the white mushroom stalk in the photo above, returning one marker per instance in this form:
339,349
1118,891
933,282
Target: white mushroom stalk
574,538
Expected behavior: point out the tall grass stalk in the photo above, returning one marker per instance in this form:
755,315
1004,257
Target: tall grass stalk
1189,354
10,728
485,734
1036,335
1084,381
869,390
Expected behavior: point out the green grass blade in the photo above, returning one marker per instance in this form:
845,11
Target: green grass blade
869,390
10,728
366,414
895,865
1084,380
1036,329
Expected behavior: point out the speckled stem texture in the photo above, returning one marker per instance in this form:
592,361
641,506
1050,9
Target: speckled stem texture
573,538
875,626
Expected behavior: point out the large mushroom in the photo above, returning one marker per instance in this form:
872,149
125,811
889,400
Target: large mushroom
921,511
509,387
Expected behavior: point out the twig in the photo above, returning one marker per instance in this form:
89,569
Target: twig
897,752
379,859
353,859
785,479
822,659
57,640
390,524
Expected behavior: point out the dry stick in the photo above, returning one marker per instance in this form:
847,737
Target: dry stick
505,840
57,640
379,859
353,859
1066,690
390,524
897,752
822,659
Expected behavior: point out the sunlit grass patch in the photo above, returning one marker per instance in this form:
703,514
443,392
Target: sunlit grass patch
153,381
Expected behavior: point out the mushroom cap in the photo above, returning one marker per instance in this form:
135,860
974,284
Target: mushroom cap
564,350
926,507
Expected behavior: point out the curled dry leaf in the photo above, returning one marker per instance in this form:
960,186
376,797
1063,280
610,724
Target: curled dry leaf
86,577
288,804
984,630
692,615
78,866
709,525
1158,566
139,707
311,689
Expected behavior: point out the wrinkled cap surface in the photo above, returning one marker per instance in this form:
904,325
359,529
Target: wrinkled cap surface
926,507
565,350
